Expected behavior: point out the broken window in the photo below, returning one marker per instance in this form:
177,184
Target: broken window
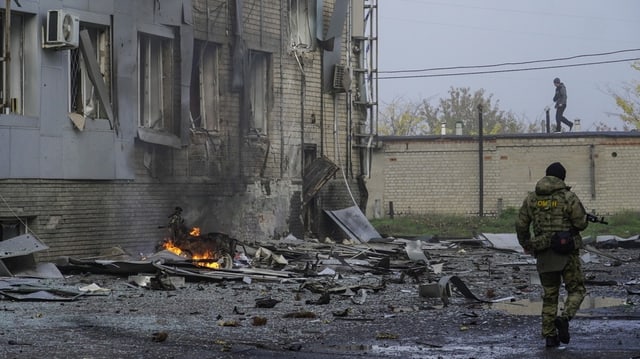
83,97
259,90
13,66
205,91
10,228
156,77
302,23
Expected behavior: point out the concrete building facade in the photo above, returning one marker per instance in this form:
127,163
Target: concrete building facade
250,115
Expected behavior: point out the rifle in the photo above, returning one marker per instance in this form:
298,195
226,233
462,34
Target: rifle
595,219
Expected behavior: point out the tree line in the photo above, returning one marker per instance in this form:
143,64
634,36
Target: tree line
407,118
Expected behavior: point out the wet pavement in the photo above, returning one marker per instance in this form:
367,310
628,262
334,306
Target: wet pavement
221,320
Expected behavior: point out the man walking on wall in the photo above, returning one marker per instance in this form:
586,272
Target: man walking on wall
548,226
560,98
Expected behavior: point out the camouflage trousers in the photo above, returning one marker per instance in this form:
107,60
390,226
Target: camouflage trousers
551,283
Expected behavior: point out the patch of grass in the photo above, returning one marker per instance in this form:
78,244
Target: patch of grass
623,224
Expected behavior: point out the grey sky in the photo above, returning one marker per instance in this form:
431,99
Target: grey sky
422,34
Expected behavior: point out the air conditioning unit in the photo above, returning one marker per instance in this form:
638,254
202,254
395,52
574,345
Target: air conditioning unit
62,30
341,78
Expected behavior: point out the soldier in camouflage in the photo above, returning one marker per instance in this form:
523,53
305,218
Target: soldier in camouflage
548,227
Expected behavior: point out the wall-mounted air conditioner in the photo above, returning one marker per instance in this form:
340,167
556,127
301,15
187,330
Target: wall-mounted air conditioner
341,78
62,30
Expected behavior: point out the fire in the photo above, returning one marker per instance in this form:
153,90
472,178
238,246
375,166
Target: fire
195,231
168,245
206,259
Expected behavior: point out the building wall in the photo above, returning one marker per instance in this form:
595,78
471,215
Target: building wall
423,175
84,191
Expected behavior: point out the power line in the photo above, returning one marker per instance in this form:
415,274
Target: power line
510,63
507,70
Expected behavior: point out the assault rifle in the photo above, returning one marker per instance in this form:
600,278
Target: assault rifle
595,219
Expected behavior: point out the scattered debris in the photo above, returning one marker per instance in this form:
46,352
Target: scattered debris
381,336
94,289
325,298
301,314
159,336
258,321
266,302
17,259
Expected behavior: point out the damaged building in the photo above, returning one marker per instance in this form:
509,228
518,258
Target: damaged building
254,117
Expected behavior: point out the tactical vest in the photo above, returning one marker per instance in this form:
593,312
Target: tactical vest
549,217
549,212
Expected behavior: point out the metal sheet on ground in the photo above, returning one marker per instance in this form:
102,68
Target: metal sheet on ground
353,222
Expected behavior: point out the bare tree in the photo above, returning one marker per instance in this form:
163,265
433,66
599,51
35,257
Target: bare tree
462,106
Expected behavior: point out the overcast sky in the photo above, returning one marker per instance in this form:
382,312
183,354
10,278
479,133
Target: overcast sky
423,34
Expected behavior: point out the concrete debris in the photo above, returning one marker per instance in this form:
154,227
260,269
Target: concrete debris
610,241
264,255
361,298
94,289
157,281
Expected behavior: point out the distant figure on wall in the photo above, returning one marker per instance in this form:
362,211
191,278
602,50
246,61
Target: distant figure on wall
560,98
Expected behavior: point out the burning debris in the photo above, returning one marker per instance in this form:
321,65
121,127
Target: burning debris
213,250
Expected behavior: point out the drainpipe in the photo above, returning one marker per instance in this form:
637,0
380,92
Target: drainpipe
592,170
480,164
282,18
7,55
322,89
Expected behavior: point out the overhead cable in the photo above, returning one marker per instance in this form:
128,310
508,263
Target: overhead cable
507,70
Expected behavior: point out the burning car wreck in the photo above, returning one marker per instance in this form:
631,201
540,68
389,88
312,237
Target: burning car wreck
212,250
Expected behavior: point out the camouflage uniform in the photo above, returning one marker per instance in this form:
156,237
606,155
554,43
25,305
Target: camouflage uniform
554,208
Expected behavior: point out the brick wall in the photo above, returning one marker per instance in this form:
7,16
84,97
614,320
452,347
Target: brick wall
433,174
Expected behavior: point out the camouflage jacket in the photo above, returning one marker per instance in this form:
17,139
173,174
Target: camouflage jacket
553,207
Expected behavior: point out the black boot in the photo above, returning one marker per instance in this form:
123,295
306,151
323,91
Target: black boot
552,341
562,324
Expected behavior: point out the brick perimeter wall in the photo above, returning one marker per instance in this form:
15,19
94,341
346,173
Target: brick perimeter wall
441,174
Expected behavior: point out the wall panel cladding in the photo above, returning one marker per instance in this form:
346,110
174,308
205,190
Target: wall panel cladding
441,174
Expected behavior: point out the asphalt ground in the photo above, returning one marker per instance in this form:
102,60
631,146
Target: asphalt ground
221,319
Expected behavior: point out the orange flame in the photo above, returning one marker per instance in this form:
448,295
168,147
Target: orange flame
195,231
168,245
202,260
199,259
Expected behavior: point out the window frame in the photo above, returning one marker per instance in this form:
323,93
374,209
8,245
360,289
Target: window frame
16,84
205,86
80,84
260,83
156,112
302,24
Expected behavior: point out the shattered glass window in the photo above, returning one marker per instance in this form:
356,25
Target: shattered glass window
12,70
259,91
302,24
156,76
83,96
205,89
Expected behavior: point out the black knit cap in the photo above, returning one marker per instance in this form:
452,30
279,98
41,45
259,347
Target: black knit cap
557,170
556,80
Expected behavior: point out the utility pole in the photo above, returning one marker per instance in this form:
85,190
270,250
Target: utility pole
480,164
